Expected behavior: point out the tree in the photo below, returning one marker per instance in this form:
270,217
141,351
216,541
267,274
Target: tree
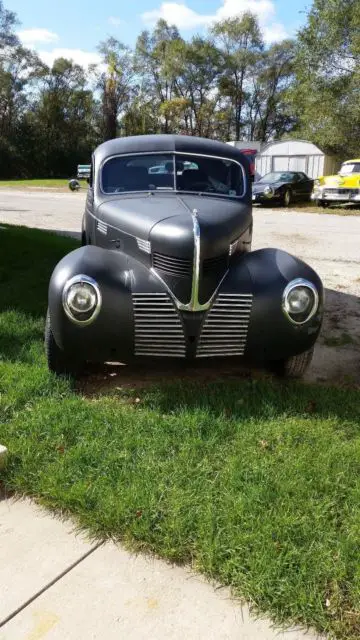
152,53
8,22
326,95
193,68
241,44
62,117
270,114
115,85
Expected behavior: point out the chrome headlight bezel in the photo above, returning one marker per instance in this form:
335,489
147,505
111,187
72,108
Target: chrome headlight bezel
269,191
89,316
294,284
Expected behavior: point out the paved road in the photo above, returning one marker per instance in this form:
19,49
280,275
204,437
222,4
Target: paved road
330,243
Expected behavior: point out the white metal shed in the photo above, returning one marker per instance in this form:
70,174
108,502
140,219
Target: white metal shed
295,155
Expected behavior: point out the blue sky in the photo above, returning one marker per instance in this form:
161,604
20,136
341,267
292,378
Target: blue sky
73,28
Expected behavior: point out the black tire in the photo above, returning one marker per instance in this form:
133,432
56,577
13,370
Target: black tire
296,366
322,203
287,198
57,360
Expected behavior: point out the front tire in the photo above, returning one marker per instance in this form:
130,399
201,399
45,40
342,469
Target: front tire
296,366
58,361
287,199
322,203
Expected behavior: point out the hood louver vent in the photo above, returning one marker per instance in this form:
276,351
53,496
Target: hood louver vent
171,265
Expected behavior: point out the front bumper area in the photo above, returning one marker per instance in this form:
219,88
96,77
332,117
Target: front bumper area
262,198
336,195
139,317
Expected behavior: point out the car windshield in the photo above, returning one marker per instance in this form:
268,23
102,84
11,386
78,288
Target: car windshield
172,172
278,176
347,169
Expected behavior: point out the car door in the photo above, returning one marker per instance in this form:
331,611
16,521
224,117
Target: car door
305,186
296,186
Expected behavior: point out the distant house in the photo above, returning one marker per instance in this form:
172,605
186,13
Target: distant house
295,155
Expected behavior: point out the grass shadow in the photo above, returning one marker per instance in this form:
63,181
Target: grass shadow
28,257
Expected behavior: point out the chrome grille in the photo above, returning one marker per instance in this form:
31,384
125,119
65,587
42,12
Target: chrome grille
225,329
172,265
158,329
341,192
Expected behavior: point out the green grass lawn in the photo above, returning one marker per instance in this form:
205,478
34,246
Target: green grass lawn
256,483
53,183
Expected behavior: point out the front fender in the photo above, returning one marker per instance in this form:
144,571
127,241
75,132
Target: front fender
111,336
265,274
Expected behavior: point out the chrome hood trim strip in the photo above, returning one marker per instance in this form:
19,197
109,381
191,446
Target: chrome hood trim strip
194,304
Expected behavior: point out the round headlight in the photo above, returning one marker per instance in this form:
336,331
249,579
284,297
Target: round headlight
300,301
81,299
269,191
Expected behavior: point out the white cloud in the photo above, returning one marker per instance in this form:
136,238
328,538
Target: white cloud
182,16
84,58
176,13
30,37
115,22
275,32
263,9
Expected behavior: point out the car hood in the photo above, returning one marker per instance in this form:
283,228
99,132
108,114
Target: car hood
339,181
166,220
259,188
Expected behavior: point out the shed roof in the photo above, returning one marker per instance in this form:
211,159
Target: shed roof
291,148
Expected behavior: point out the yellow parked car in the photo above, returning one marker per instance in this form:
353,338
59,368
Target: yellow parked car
341,188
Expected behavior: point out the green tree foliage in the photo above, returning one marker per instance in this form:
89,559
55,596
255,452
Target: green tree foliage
62,119
8,21
115,85
326,95
241,44
226,85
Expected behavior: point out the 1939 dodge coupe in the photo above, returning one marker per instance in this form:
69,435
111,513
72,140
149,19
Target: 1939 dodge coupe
166,268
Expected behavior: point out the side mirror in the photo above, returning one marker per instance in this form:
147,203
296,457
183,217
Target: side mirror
74,185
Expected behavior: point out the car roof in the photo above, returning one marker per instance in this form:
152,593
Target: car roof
167,144
351,161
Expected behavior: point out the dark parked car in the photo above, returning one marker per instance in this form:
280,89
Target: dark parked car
283,187
166,268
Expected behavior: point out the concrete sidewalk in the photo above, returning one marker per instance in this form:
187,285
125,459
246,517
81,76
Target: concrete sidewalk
56,585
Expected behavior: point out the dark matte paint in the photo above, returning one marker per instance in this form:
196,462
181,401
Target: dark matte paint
121,268
264,273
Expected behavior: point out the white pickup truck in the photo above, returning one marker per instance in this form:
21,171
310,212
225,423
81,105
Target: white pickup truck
83,171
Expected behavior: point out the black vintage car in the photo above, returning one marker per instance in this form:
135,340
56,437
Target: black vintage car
166,268
283,187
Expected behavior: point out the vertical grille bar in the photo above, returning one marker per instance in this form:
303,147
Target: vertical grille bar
225,329
158,328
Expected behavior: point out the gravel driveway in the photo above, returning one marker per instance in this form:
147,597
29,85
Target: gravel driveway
330,243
